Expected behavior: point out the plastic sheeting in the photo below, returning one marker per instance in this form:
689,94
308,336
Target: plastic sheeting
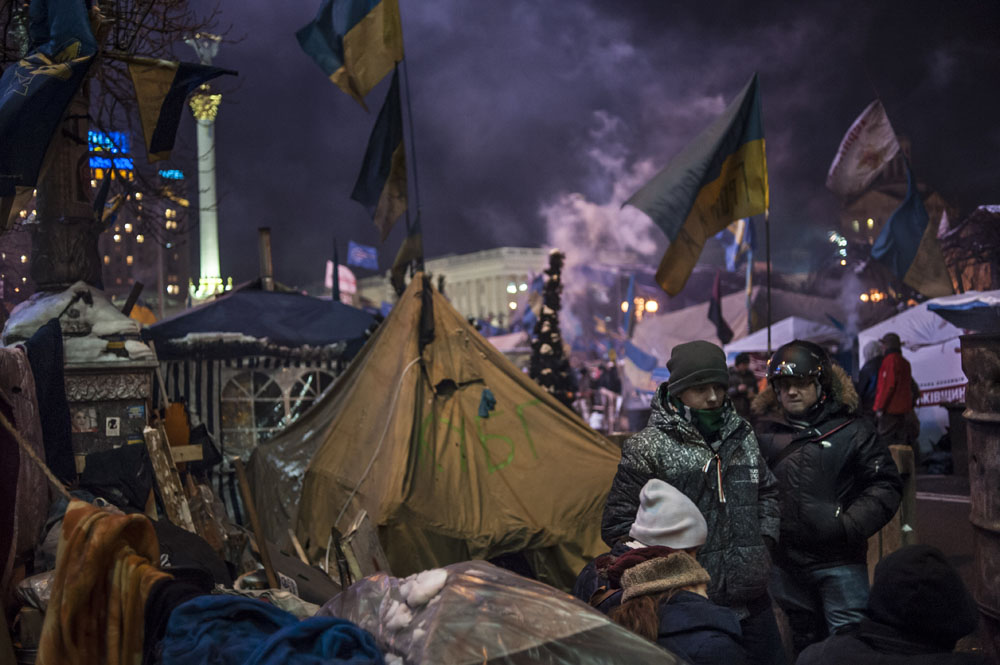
484,614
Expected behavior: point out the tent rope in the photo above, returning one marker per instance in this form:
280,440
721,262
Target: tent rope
34,457
371,462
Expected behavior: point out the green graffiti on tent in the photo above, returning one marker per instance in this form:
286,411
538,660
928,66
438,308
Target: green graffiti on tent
485,438
524,423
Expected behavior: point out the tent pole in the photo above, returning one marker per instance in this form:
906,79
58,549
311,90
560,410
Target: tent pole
767,242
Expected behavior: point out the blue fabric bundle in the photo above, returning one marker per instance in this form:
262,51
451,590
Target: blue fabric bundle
224,630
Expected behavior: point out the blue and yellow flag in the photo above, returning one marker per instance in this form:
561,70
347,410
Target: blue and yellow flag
381,185
355,42
35,91
161,86
908,246
719,177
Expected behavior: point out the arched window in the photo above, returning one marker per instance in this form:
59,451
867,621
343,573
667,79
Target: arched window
257,405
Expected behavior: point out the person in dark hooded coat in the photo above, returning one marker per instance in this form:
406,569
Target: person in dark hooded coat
838,486
917,611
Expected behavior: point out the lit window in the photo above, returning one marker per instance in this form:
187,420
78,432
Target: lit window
170,213
107,259
522,287
24,259
17,289
512,305
128,260
24,214
856,225
93,183
652,306
871,223
843,262
117,238
24,280
118,229
864,297
512,288
138,196
140,239
128,227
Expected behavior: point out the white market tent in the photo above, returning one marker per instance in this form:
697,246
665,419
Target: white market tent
932,346
785,331
659,334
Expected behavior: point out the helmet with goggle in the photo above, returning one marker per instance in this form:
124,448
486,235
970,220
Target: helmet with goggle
800,359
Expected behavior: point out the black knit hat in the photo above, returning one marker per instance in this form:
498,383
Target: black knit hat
695,364
916,591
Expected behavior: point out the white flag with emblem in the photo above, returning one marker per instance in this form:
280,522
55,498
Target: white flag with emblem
867,147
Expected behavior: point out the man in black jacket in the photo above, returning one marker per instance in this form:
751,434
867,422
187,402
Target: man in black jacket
838,486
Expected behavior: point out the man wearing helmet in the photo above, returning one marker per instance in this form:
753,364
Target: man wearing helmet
838,485
696,442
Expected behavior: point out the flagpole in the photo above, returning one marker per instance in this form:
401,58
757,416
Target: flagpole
412,162
767,244
335,280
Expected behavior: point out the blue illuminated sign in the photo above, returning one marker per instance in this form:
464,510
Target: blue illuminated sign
113,142
172,174
120,163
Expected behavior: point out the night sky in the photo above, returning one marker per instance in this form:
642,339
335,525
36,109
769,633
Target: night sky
535,120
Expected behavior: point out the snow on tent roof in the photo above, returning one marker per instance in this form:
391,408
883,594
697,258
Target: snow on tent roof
785,331
399,435
268,318
975,311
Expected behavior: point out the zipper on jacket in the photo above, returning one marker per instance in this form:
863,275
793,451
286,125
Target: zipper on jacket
718,472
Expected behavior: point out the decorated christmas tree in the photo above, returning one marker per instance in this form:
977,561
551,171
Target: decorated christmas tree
549,365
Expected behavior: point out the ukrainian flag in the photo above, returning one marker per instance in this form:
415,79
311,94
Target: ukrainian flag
718,178
355,42
381,185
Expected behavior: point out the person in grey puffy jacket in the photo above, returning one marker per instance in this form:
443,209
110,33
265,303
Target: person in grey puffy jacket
697,442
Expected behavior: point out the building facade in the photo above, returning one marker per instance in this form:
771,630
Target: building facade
484,285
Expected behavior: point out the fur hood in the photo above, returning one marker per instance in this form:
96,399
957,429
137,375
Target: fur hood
766,403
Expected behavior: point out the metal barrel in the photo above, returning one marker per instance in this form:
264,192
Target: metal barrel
981,364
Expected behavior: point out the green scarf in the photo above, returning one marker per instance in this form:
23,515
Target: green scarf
708,422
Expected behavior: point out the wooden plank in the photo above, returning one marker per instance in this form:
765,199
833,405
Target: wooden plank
248,502
298,547
203,516
893,535
362,548
168,480
187,453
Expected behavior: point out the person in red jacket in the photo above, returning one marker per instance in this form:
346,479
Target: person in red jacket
894,395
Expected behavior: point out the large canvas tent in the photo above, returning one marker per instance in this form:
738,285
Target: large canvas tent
406,435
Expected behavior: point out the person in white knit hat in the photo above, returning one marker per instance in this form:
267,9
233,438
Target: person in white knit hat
656,588
667,521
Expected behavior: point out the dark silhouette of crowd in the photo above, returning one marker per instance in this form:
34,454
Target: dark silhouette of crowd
713,523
